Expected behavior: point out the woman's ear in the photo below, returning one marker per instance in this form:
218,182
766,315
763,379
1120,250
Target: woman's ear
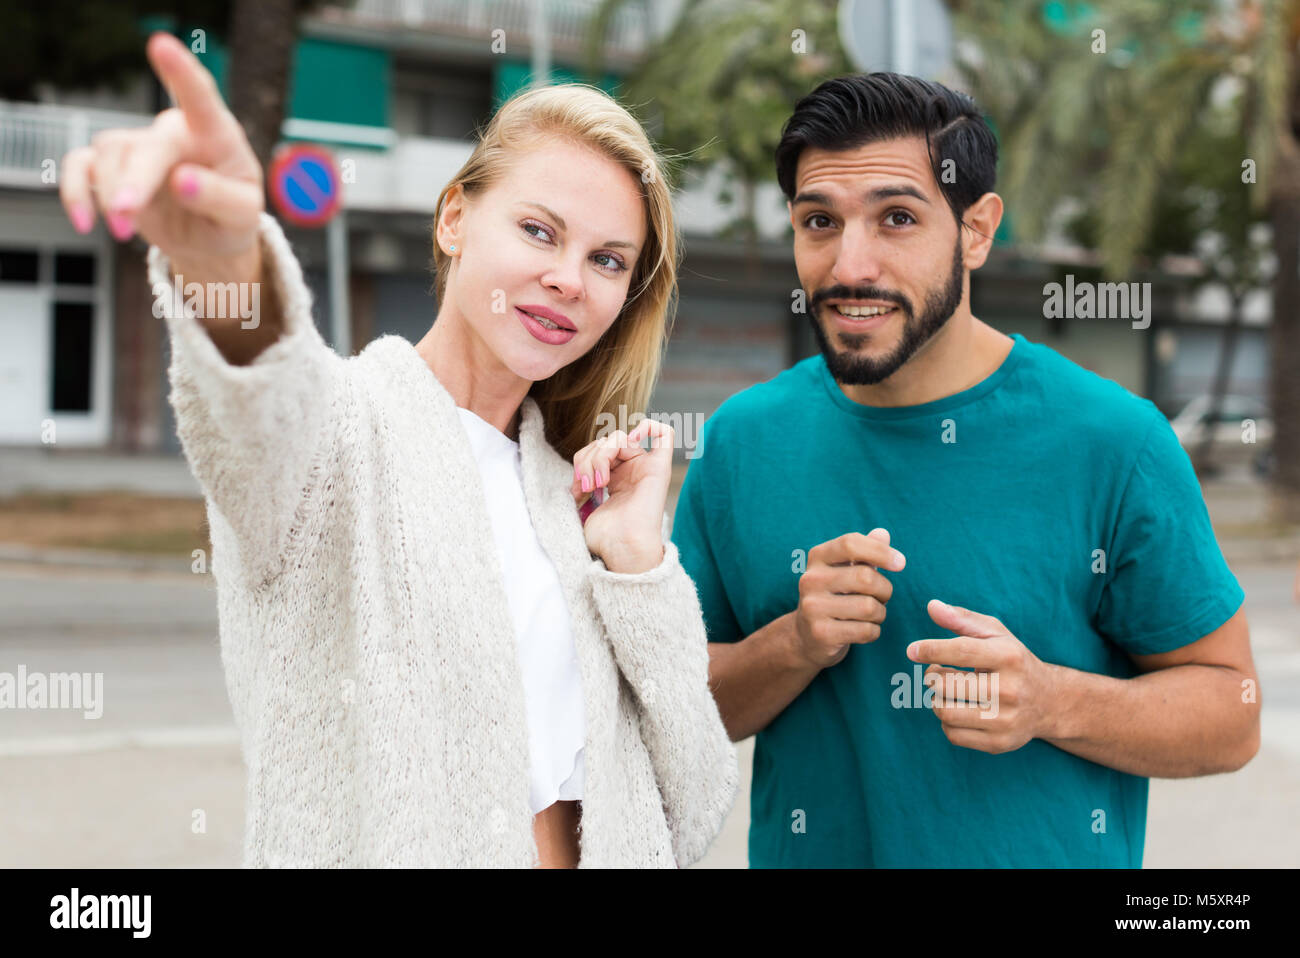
449,222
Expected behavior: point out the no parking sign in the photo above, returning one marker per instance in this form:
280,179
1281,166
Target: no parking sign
304,184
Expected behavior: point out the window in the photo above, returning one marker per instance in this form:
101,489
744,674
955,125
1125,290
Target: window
72,353
18,265
440,103
74,269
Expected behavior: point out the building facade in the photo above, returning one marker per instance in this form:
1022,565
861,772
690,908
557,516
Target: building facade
395,90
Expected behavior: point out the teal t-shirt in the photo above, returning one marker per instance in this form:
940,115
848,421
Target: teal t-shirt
1046,496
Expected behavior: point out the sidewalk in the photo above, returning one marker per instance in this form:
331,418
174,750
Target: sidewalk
127,794
51,469
1238,503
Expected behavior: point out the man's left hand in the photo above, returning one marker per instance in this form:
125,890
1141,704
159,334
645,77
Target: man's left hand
1005,701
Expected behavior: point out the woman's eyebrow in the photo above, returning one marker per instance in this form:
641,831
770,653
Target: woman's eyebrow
559,221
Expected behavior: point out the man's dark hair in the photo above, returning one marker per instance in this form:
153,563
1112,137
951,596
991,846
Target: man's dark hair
850,111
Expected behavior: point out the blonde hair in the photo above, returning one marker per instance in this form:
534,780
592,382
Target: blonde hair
623,367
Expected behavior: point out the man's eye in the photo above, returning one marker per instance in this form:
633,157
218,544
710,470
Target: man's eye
817,216
903,213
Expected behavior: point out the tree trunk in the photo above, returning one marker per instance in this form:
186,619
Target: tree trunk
1284,391
262,35
749,214
1204,455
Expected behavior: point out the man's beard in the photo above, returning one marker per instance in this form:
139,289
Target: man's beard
851,369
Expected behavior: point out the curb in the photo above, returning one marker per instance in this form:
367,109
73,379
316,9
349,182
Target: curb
93,558
1234,551
1260,550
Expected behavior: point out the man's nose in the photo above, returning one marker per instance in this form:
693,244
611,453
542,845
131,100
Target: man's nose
857,262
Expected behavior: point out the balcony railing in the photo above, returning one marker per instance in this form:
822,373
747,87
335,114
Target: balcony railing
35,136
388,173
568,20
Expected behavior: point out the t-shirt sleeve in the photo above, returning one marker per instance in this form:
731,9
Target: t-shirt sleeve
692,535
1168,583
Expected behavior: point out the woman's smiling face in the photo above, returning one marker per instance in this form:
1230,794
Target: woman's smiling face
558,235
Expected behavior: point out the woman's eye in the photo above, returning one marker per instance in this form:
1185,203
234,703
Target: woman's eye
614,263
908,216
542,232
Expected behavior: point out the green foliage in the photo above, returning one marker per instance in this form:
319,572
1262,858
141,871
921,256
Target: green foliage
1149,136
75,44
720,85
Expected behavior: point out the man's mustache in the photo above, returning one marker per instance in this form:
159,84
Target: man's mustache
861,292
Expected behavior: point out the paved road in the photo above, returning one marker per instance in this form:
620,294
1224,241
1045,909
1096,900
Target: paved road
158,781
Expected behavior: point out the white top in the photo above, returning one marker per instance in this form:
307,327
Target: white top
552,688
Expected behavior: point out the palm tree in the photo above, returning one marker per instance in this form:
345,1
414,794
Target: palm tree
718,87
1108,128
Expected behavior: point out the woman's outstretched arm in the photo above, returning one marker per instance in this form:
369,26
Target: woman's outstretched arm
254,386
255,432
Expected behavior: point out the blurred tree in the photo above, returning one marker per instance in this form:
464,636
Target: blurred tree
719,86
1205,210
1106,117
77,45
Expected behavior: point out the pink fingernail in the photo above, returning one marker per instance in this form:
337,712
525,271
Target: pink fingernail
82,218
189,183
119,224
586,484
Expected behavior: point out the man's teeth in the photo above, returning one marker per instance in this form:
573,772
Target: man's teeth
858,311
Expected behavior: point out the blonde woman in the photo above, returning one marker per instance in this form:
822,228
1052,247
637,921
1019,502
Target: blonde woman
432,659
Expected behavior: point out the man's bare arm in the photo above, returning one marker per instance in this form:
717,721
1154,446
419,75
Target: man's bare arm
753,680
1195,711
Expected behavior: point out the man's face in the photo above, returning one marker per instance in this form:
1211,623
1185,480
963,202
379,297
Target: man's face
873,236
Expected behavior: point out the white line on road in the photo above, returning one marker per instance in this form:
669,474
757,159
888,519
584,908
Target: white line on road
129,738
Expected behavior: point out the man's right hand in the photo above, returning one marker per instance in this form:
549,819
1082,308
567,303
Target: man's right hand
842,595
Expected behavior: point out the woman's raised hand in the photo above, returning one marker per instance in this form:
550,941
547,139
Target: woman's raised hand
188,183
626,530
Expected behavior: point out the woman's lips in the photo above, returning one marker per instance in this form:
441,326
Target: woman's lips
552,337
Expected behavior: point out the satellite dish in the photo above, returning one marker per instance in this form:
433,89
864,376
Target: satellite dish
904,36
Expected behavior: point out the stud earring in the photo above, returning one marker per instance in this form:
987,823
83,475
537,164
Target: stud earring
453,249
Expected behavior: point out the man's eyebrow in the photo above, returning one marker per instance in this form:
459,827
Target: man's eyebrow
888,192
875,196
821,199
559,221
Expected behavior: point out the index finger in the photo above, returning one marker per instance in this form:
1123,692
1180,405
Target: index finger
187,80
962,651
856,547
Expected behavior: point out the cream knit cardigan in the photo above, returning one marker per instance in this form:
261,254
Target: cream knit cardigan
365,633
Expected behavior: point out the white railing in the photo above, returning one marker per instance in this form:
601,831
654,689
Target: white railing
35,136
387,172
568,19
